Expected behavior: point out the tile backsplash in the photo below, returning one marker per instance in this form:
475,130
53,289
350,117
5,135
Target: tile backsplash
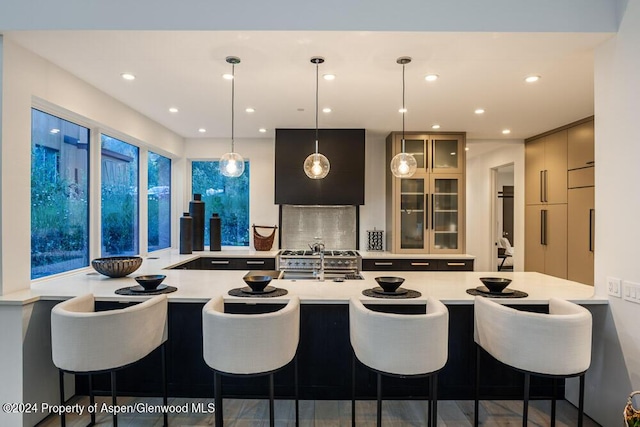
301,224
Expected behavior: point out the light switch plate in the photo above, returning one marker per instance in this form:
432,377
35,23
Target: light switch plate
614,286
631,291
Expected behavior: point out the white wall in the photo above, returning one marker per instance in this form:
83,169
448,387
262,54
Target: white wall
372,214
615,371
27,79
480,194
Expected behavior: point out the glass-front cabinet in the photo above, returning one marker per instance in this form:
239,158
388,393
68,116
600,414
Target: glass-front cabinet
425,213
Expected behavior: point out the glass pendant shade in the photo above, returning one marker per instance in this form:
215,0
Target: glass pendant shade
232,165
316,166
403,165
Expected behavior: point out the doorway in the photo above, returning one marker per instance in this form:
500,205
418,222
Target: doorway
504,243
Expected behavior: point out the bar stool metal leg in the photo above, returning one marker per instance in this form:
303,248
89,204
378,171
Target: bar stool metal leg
525,410
353,390
476,404
295,379
165,394
92,401
271,393
63,420
217,390
553,402
113,397
434,398
379,406
581,401
430,403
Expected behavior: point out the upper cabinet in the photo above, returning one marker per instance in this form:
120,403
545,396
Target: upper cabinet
425,213
546,169
581,146
344,185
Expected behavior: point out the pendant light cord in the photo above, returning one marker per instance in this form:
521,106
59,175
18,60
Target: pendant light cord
233,97
316,108
404,110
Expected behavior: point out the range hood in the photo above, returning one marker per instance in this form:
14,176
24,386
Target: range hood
344,185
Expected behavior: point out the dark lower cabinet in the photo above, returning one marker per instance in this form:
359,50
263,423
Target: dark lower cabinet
324,360
217,263
416,264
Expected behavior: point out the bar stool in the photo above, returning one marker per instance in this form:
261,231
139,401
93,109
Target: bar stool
250,345
556,345
84,341
405,346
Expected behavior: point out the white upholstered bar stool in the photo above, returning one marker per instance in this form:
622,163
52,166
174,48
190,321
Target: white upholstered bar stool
250,345
84,341
401,345
556,345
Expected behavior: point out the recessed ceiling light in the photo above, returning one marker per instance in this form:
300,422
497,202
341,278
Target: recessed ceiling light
227,76
326,110
479,111
262,130
435,126
453,153
54,131
202,130
466,148
532,79
506,131
402,110
431,77
173,110
128,76
250,110
329,76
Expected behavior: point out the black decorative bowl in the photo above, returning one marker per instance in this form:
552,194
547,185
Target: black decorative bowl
117,266
495,284
151,281
257,283
389,283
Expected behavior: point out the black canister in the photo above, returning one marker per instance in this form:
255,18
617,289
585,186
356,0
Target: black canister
186,233
215,234
196,209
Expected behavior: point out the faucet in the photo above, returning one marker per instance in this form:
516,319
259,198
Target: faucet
318,249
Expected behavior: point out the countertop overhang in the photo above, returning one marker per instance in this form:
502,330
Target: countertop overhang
198,286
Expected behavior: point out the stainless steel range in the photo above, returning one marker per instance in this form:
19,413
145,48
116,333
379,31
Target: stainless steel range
307,264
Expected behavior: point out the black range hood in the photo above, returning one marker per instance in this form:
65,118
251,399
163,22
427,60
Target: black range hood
344,185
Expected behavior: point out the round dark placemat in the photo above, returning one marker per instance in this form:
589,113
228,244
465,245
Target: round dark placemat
134,290
409,294
514,294
238,292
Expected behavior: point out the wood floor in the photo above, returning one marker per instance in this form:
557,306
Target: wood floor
322,413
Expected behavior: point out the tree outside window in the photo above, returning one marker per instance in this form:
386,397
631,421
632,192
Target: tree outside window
228,197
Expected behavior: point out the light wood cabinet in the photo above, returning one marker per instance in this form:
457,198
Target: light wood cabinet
559,196
546,239
546,169
425,213
581,245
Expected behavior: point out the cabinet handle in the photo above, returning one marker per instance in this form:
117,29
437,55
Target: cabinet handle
220,262
419,263
433,212
543,227
591,224
542,186
456,264
255,262
380,263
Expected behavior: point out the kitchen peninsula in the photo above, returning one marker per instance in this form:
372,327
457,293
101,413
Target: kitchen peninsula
324,352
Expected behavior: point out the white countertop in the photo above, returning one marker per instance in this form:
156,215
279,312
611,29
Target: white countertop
200,285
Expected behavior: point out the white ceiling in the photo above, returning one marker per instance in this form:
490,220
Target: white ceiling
184,69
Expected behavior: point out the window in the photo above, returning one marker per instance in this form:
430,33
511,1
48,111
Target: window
159,202
119,197
59,195
228,197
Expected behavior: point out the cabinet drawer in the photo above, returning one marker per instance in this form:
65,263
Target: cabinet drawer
455,265
399,264
209,263
584,177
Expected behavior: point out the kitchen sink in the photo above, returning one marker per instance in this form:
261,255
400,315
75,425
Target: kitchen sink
306,275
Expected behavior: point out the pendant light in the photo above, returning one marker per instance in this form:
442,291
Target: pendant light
316,165
403,165
232,164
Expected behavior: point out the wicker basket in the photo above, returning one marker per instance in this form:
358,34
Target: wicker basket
631,414
260,242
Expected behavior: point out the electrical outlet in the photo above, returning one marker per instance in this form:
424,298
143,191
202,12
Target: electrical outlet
631,291
614,286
